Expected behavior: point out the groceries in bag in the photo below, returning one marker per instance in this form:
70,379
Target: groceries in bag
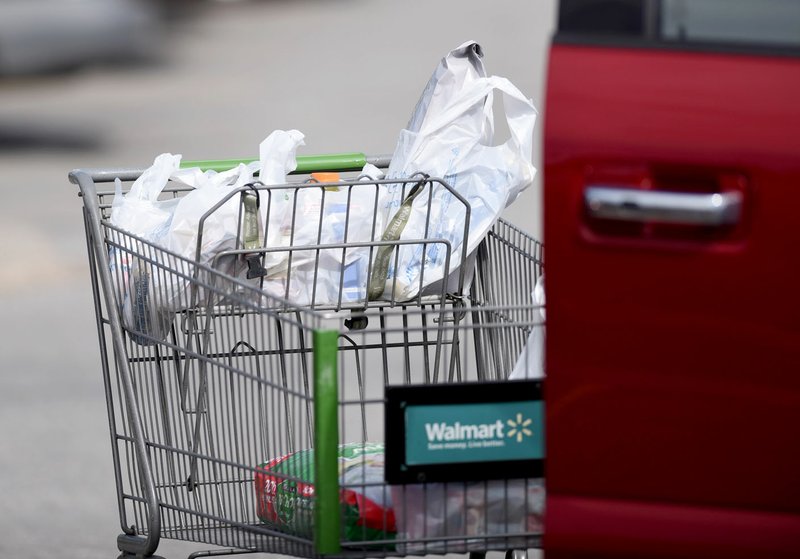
310,240
467,513
450,135
199,227
322,215
143,214
285,493
465,516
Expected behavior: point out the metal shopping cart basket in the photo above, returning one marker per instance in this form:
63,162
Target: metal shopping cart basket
251,416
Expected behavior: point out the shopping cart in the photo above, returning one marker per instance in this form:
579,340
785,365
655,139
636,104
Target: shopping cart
254,417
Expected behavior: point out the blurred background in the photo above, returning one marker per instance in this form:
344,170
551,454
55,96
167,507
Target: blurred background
113,83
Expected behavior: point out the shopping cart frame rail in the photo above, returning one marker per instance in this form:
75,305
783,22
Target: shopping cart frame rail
128,542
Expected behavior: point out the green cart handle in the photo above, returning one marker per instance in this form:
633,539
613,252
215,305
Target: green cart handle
305,163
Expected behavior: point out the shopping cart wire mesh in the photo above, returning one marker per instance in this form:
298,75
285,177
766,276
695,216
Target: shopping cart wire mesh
252,416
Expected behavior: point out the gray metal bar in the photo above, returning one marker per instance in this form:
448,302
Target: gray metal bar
112,424
142,546
220,553
380,161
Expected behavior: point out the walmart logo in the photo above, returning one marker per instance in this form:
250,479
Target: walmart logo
519,428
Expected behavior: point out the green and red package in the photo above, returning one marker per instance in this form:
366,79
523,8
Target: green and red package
285,493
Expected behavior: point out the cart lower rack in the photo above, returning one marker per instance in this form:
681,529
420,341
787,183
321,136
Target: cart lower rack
262,423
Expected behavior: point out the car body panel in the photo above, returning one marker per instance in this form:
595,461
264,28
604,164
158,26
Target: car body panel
673,352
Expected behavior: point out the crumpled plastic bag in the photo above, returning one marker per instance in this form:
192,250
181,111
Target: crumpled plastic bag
450,135
327,216
211,212
220,229
151,293
278,158
141,213
465,516
530,364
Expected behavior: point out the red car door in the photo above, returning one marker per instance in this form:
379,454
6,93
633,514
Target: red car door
672,196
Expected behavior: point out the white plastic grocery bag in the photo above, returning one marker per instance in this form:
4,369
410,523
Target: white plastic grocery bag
209,213
150,293
451,136
141,213
277,159
471,516
220,227
327,216
207,220
530,363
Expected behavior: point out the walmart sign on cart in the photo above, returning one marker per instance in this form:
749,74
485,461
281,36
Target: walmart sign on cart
481,428
474,432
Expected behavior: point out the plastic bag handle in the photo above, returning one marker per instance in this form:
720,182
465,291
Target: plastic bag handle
517,110
380,268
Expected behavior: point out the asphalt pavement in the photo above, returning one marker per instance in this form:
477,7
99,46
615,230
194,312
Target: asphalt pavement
346,73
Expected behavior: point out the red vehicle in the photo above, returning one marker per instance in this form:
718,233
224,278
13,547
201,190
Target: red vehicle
672,189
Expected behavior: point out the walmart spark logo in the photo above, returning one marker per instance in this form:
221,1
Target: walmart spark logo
519,428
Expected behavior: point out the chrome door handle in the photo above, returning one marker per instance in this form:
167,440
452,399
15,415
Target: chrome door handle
627,204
